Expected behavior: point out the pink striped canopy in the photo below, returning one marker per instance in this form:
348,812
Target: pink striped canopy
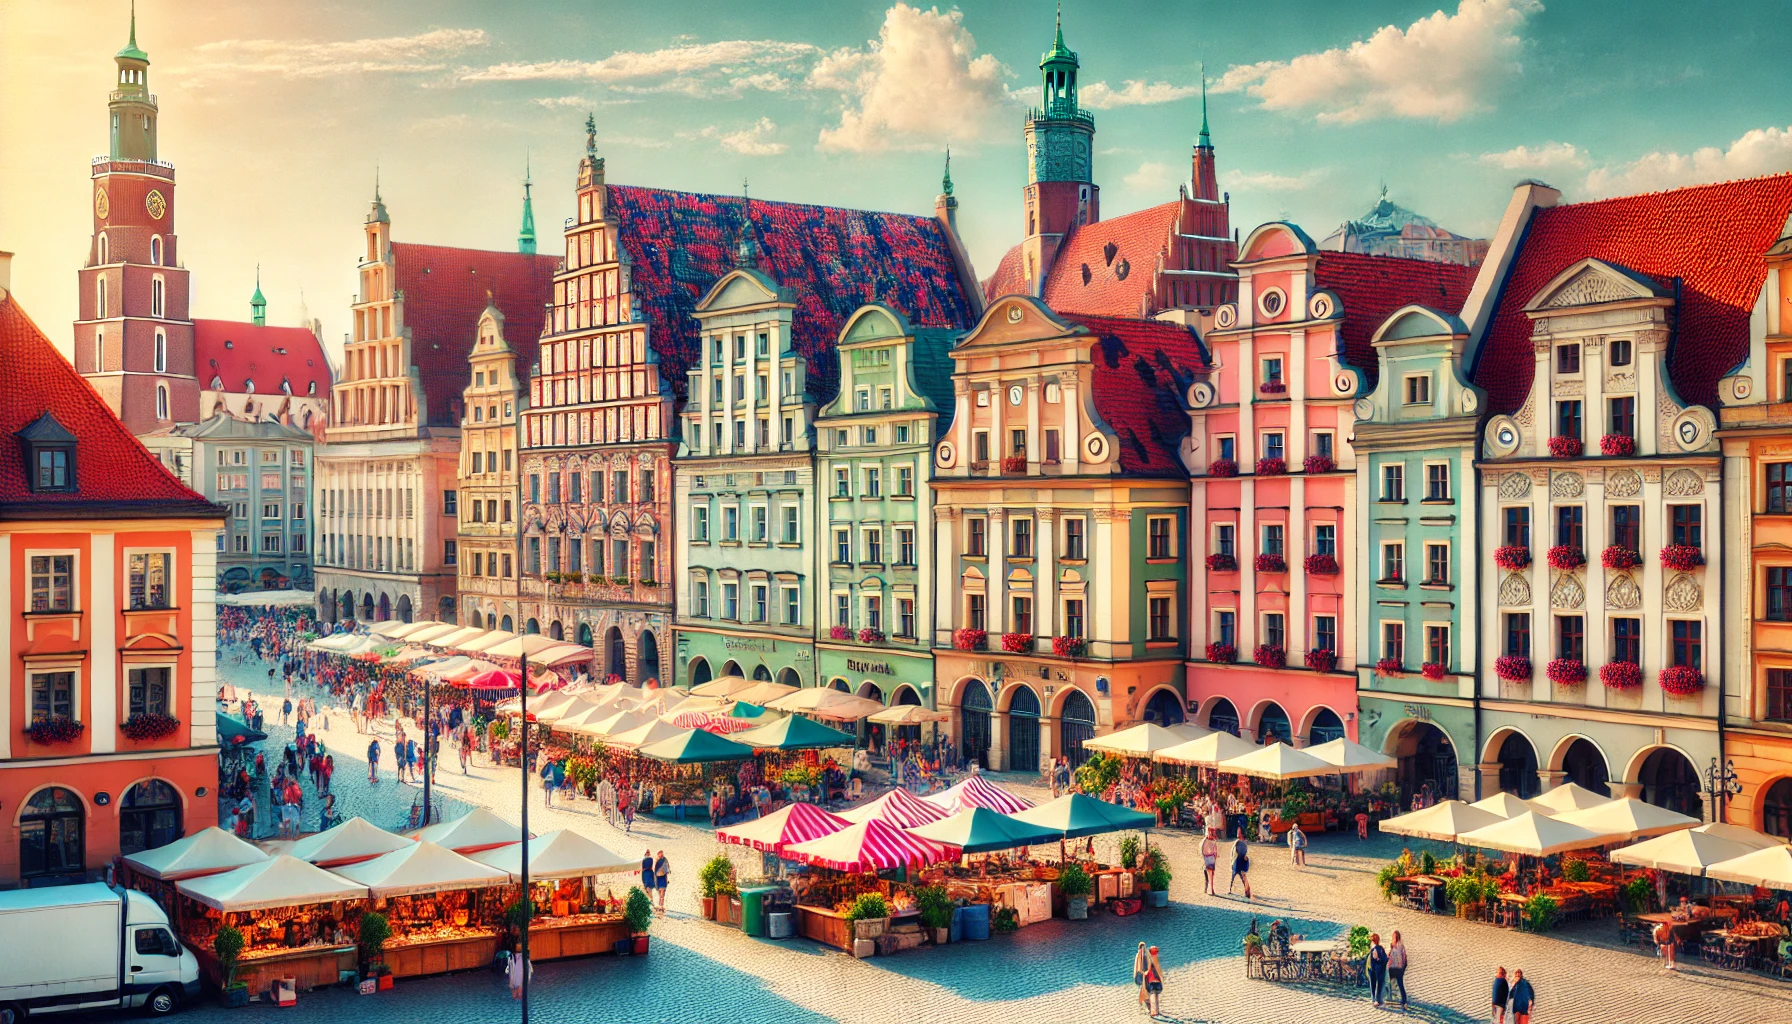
793,823
898,807
978,791
871,846
710,721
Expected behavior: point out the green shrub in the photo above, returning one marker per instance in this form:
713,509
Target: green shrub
1575,870
1385,878
1129,851
1359,942
1074,881
1540,913
374,932
1157,878
228,945
518,914
638,912
1463,891
870,906
935,906
1427,863
716,877
1100,772
1638,894
1005,920
1295,802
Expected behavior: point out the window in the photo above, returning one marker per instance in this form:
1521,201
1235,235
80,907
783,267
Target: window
905,545
974,612
1779,695
874,546
1622,417
53,470
905,616
1275,629
1053,447
1437,645
760,608
1225,628
1627,640
270,510
731,601
533,558
575,555
450,551
1568,419
1687,528
1779,594
873,482
905,480
270,543
700,523
1274,445
534,488
52,583
868,435
1272,538
1322,443
1568,358
149,691
647,486
1437,481
1325,632
975,542
1017,442
1627,527
843,546
1227,446
874,611
1159,540
575,486
1325,539
1225,539
1779,484
1073,617
1162,619
1272,370
1393,641
1393,481
1518,527
1571,637
842,482
1437,564
1418,389
1518,634
791,534
1022,546
158,303
52,695
700,598
842,610
1689,642
1619,349
450,505
1393,562
902,438
1570,530
730,523
1075,544
793,606
161,402
149,573
761,528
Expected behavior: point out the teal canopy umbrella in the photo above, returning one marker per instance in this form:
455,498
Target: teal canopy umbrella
695,747
1075,815
980,830
742,709
793,733
233,732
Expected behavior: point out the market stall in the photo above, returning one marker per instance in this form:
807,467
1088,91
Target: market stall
446,911
476,830
793,732
722,686
898,807
351,842
205,852
853,856
571,916
977,791
298,921
784,827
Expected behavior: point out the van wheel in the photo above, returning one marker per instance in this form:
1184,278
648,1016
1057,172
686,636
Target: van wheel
161,1002
10,1014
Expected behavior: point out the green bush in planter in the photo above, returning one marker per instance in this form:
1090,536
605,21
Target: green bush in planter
1638,893
1359,942
1129,852
870,906
637,913
935,906
375,930
228,945
1385,878
1073,881
716,876
1540,913
1575,870
1005,920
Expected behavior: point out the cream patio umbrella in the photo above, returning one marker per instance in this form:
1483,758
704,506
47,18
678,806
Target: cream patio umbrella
761,692
1277,761
616,724
908,714
646,735
1443,821
1737,834
456,638
1506,805
431,630
1568,797
1207,751
481,644
1629,816
393,629
1350,757
722,686
1770,868
1536,835
1688,852
1141,740
827,702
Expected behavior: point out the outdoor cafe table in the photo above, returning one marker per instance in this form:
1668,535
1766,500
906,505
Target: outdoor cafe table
1684,930
1322,958
1430,884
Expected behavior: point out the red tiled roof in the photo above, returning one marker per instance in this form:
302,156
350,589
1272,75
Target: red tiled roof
832,260
1371,288
1711,238
240,352
1010,277
1141,368
445,290
1107,267
112,468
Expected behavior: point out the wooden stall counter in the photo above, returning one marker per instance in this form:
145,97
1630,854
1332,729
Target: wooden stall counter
830,927
310,966
555,938
466,950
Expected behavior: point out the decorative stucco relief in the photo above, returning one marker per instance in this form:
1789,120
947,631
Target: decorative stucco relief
1566,485
1622,593
1567,592
1623,483
1515,590
1515,486
1683,594
1683,483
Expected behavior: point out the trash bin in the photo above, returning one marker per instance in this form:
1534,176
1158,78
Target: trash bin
779,925
976,921
752,909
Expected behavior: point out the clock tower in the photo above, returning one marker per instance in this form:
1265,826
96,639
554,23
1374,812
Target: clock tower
1061,192
134,335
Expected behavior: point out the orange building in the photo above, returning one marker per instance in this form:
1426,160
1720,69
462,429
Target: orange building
107,567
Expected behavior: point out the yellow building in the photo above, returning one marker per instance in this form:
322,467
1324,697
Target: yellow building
488,479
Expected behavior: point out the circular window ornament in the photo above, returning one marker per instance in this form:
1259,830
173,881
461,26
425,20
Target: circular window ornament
1016,394
1321,306
1742,388
944,453
1502,436
1364,409
1689,431
102,204
1272,302
1200,394
1015,313
1095,447
1344,383
155,203
1226,316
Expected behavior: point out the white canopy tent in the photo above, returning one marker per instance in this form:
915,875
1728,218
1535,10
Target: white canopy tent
422,867
354,840
1630,817
205,852
561,854
1277,761
1350,757
1688,852
279,881
1535,834
1141,740
478,829
1207,751
1507,805
1770,868
1568,797
1443,821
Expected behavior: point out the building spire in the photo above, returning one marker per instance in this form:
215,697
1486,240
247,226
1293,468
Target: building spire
376,181
131,51
258,305
525,239
745,255
946,181
1206,141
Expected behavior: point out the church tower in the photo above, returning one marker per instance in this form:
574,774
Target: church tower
1061,192
134,335
525,238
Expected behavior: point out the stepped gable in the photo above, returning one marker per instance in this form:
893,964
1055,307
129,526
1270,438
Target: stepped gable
114,473
1371,288
1141,369
830,260
236,352
1108,267
445,291
1710,240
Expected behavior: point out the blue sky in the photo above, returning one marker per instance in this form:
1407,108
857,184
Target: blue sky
277,114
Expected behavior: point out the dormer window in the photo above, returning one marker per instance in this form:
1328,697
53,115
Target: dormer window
49,451
1619,349
1418,389
1568,358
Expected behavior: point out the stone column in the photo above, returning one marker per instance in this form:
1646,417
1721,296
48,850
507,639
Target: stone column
1045,581
996,543
1551,779
1489,778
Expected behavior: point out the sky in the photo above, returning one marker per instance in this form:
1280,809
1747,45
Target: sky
277,115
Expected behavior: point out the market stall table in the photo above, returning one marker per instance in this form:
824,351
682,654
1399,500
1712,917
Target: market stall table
293,917
444,909
571,917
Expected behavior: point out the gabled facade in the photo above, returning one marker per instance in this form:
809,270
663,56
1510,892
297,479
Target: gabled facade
1061,518
493,403
874,551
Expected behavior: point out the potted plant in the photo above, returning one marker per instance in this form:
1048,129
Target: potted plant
712,876
1512,557
371,947
1618,557
637,914
1221,562
228,946
55,729
1157,878
1222,654
839,633
1322,659
1681,680
1004,920
936,912
1269,657
1566,671
1271,467
517,915
1621,675
1512,667
1566,447
1682,557
1390,667
1617,445
1566,557
969,639
1076,885
1433,670
1017,643
871,636
1319,464
1271,563
1069,646
1540,913
1322,565
870,915
149,725
1014,464
1129,852
1222,468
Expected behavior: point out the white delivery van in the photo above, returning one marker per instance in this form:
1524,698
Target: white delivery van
83,947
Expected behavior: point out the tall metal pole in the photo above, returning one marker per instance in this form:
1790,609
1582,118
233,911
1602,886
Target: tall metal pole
523,707
428,750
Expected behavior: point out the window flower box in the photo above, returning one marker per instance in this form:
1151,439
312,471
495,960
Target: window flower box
1271,563
1621,675
839,633
1512,668
1566,557
1681,556
1567,447
55,729
871,636
1274,387
1069,646
1269,657
969,639
149,725
1511,556
1322,565
649,581
1320,659
1319,464
1221,563
621,581
1014,464
1272,467
1618,557
1222,654
1617,445
1390,667
1682,680
1566,671
1222,467
1017,643
1432,670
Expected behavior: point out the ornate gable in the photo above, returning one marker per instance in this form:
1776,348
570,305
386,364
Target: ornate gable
1593,282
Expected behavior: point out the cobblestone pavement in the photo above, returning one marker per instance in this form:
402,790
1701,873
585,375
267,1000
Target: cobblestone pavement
1057,971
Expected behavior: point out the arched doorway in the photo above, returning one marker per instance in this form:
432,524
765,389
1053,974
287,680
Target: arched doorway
1325,728
731,668
1076,726
556,631
1023,731
615,653
839,684
1164,708
52,834
761,674
404,608
385,608
1223,717
1776,810
788,677
506,624
326,606
1273,726
699,671
871,734
584,634
149,817
532,627
1585,766
973,723
1518,767
1670,780
491,621
367,607
445,610
1427,761
649,657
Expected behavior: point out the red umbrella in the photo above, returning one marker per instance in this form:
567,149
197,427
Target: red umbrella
794,823
899,807
871,846
496,679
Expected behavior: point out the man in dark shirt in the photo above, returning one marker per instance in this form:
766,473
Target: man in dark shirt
1524,999
1501,994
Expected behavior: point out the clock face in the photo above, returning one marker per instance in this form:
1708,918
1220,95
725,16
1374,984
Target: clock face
155,203
102,204
1015,394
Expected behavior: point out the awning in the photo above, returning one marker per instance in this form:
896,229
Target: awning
1534,834
694,747
722,686
232,732
279,881
1687,851
1443,821
478,829
1350,757
1209,750
481,644
430,630
908,714
900,808
560,854
653,732
977,791
1277,761
449,641
1737,834
871,846
1507,805
420,868
1568,797
827,702
1075,815
764,692
980,830
793,823
1770,868
794,732
1629,817
356,839
1141,740
205,852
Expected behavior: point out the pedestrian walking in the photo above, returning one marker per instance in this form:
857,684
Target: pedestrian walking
1210,859
1665,944
662,870
373,760
1397,966
1378,970
1502,993
285,705
649,879
1524,999
1241,865
518,968
628,809
1154,983
1140,961
1297,846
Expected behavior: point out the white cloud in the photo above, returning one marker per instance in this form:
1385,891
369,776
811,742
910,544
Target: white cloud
1151,176
1538,158
551,102
1441,67
919,85
1270,181
421,53
753,140
1102,96
1757,152
729,66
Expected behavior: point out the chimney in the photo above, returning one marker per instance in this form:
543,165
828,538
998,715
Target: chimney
5,274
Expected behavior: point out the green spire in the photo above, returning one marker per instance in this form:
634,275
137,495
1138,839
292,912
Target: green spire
1058,47
946,182
258,305
130,50
525,239
1206,142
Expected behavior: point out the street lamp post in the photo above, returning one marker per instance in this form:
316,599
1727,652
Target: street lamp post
1724,785
523,723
